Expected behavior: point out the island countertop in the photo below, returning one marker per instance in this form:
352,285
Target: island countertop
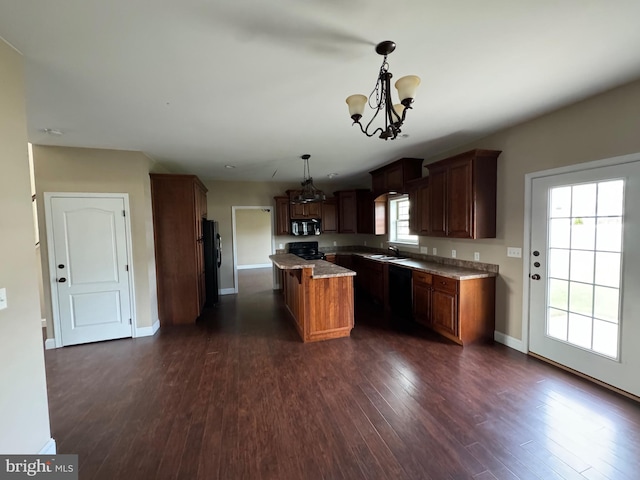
321,268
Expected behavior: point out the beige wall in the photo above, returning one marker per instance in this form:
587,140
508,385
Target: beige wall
601,127
61,169
24,411
253,236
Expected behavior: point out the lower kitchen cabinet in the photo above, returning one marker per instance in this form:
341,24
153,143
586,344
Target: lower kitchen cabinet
461,310
370,278
422,297
330,257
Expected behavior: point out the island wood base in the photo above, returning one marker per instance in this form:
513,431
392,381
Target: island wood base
321,307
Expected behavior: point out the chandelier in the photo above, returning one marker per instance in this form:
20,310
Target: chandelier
380,98
309,193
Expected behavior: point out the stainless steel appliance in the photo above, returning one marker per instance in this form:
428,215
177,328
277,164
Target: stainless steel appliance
306,227
212,260
306,250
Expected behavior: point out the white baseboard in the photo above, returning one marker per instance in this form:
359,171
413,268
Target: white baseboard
49,448
50,343
228,291
148,331
43,322
257,265
511,342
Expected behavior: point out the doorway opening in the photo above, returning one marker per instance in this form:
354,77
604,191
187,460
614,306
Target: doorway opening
252,242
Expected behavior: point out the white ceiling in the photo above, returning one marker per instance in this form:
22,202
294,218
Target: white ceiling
199,84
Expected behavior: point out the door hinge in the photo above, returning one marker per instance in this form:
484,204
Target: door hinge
129,321
126,267
124,214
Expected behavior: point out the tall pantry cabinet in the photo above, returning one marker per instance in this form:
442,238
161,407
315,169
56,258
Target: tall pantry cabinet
179,206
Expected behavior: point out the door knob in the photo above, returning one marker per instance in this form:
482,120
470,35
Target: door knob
62,280
535,276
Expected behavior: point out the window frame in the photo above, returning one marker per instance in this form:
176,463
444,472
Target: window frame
393,208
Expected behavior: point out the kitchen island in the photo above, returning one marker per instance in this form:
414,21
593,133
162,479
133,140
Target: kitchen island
319,296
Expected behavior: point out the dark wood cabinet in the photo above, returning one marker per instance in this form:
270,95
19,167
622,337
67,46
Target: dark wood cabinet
463,310
179,205
437,203
419,215
444,313
369,278
462,195
283,221
422,297
345,260
355,211
393,178
303,211
329,216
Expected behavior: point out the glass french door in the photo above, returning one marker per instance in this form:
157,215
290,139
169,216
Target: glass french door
585,272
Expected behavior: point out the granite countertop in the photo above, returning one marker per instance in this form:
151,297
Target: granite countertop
435,268
321,268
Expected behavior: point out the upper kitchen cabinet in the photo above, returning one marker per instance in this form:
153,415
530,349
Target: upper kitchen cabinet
462,195
419,222
179,206
282,215
329,216
393,178
303,211
355,211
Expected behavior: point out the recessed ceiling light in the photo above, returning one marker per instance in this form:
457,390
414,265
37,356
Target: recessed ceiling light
229,166
331,175
51,131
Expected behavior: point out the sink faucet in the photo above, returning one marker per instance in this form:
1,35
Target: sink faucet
395,250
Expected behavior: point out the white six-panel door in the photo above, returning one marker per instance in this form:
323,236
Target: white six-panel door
584,269
90,272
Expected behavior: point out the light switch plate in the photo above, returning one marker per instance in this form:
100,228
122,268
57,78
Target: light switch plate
453,253
335,243
3,298
514,252
424,250
476,256
435,251
280,246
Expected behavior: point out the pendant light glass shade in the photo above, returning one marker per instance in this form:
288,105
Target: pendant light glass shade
356,105
407,87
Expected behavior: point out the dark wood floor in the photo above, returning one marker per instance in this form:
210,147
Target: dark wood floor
238,396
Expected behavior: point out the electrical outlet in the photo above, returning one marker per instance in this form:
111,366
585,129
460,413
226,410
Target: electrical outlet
476,256
424,250
435,251
381,245
514,252
453,254
365,243
280,246
3,298
335,243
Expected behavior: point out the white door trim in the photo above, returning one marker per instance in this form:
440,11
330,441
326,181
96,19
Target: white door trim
528,182
270,208
48,196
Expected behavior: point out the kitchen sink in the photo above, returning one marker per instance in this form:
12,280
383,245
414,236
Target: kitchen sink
386,257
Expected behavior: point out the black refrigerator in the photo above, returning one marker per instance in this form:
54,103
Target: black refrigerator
212,260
